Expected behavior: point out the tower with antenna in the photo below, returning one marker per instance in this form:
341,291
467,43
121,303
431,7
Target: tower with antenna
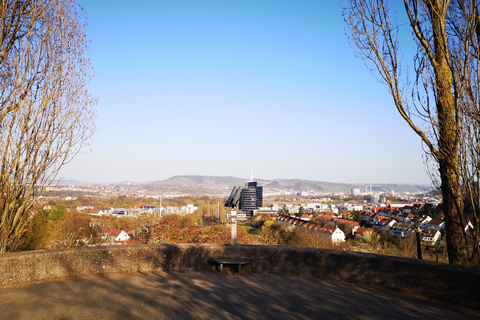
247,199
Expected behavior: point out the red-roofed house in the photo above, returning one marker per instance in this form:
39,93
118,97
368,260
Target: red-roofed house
114,235
333,233
430,236
305,217
385,224
436,224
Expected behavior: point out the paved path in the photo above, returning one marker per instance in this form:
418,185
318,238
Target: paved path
212,295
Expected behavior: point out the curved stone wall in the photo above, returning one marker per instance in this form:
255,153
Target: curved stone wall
445,282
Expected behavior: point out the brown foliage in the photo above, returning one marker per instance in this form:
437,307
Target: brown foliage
72,230
276,233
184,229
49,229
302,237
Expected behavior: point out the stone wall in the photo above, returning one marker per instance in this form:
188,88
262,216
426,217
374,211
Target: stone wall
459,285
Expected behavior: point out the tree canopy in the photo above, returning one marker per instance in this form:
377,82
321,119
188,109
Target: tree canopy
436,94
46,113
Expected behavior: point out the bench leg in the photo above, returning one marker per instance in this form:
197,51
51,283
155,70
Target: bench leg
239,268
221,267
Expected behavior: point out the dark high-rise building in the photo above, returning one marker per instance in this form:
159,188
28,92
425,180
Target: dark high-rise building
251,198
248,199
259,197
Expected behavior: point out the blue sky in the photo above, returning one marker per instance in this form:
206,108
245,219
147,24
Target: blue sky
225,87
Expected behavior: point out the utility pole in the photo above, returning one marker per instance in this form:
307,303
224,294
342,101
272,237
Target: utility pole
161,203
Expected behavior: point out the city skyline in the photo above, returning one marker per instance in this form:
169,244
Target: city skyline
220,88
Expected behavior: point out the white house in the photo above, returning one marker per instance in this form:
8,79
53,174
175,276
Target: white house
424,220
431,236
113,235
401,230
102,212
333,233
188,209
468,226
82,208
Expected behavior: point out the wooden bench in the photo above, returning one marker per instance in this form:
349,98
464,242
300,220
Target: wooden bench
228,261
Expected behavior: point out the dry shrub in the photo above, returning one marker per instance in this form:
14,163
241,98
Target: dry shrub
275,233
302,237
272,233
407,247
184,229
269,236
371,242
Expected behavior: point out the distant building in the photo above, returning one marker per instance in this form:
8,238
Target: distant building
83,208
251,198
247,199
258,192
121,212
355,192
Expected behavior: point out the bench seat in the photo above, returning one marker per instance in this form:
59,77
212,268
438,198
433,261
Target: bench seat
229,261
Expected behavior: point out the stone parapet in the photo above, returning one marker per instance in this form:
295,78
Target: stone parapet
455,284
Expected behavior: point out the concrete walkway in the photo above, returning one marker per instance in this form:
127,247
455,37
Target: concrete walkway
212,295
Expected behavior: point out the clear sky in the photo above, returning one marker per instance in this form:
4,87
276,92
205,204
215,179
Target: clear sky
225,87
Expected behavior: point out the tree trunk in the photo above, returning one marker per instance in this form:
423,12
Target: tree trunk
452,207
449,137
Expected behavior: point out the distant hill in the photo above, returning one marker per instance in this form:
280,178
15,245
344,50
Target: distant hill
206,184
201,181
71,182
76,182
323,186
284,184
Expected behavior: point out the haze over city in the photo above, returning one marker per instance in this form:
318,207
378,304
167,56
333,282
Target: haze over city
222,88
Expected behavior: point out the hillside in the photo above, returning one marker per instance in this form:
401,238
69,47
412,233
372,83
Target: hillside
194,184
200,182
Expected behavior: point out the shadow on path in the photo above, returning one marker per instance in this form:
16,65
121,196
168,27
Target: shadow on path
207,295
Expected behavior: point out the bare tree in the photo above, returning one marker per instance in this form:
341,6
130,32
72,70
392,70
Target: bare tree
437,96
46,114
